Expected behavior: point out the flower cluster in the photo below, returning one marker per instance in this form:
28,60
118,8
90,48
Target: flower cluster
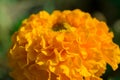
68,45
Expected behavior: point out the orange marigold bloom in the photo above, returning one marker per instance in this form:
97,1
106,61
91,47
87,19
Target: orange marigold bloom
68,45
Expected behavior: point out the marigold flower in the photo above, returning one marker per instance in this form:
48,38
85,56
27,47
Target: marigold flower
68,45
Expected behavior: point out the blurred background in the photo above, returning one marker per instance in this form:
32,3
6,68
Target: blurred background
12,12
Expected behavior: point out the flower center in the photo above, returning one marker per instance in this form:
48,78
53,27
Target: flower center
59,27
